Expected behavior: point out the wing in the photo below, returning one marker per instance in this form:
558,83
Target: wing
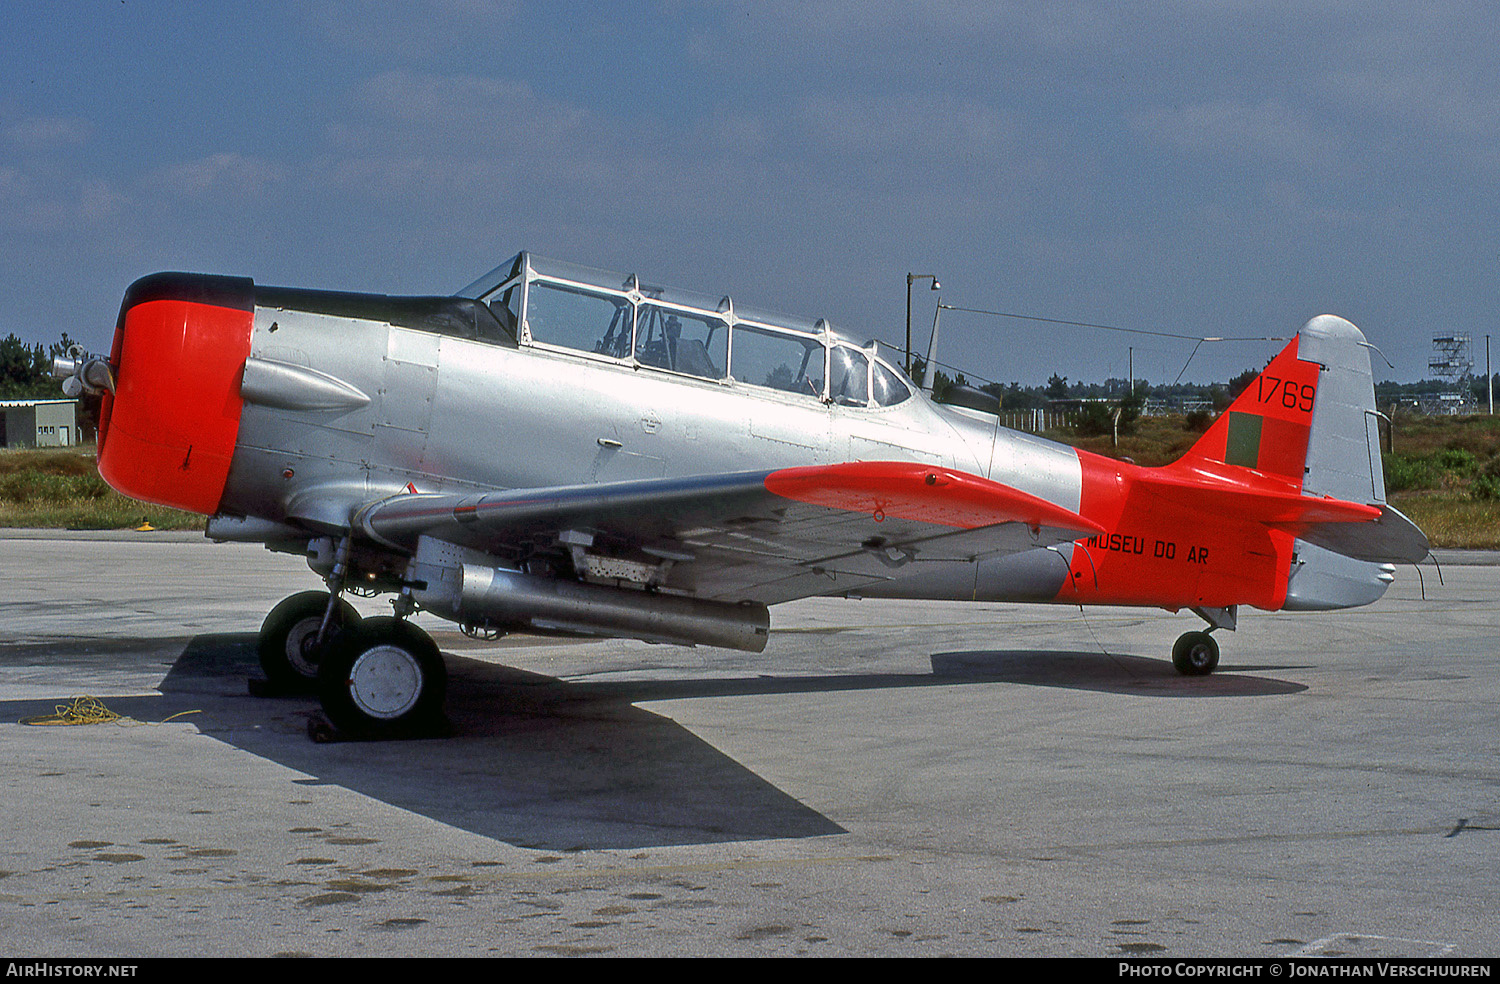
763,536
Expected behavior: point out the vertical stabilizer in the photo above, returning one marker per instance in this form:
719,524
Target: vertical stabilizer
1343,452
1267,428
1309,419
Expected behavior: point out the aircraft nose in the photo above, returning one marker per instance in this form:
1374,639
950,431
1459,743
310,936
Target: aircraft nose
168,431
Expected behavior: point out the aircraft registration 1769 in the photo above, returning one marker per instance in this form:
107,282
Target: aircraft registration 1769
564,449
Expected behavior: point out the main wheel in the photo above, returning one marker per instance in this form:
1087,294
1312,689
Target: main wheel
382,678
1195,654
289,635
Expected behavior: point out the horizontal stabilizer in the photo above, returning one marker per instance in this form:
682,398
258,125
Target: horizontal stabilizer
1213,487
1374,532
1391,539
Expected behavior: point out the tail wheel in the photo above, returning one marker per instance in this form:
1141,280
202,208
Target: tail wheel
1195,654
289,635
382,678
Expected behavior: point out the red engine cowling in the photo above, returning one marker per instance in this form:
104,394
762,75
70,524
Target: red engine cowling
167,434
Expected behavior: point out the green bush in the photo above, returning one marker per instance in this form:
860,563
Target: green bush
1094,419
1458,460
1404,473
1198,420
1486,488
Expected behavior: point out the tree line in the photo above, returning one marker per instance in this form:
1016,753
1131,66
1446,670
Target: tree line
1014,396
26,370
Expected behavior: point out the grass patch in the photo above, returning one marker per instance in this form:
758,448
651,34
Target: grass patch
1154,441
1453,520
60,488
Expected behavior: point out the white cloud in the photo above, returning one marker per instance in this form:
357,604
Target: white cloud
442,116
412,28
225,173
1428,99
908,126
36,134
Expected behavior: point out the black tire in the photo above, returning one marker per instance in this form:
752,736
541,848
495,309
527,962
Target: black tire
1195,654
383,678
286,639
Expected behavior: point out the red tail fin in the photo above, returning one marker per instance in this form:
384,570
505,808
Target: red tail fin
1267,426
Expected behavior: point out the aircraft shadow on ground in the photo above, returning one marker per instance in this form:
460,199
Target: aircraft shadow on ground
1105,672
528,759
549,764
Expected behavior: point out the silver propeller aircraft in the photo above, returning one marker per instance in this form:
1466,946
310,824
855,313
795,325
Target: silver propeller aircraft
562,449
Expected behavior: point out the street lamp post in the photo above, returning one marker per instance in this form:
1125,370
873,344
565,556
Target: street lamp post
935,286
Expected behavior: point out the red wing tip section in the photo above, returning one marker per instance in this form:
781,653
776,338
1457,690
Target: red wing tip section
923,493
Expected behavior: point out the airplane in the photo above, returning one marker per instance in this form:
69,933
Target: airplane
561,449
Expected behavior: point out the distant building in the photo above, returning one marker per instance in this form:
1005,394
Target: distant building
38,423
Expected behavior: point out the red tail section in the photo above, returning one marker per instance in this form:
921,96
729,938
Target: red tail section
1217,527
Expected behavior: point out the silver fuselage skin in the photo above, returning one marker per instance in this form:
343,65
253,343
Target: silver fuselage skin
449,414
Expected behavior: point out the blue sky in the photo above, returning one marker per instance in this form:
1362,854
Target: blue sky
1199,168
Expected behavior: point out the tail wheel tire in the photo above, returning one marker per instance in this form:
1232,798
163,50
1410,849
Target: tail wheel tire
288,638
1195,654
382,678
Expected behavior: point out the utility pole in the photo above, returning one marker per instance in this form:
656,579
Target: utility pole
935,286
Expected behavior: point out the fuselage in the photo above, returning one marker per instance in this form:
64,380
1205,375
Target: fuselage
280,411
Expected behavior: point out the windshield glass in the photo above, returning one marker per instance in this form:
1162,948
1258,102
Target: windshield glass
616,316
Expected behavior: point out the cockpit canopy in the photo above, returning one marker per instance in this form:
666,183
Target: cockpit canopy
616,317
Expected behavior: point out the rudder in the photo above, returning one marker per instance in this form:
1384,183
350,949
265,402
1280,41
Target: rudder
1343,456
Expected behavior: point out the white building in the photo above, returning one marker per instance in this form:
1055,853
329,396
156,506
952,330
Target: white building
38,423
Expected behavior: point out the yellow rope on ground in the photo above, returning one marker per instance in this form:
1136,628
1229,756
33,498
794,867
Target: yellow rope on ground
90,710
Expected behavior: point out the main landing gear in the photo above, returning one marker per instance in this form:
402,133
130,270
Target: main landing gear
382,678
376,677
289,640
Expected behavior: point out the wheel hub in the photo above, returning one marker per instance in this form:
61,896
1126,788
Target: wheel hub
300,643
385,682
